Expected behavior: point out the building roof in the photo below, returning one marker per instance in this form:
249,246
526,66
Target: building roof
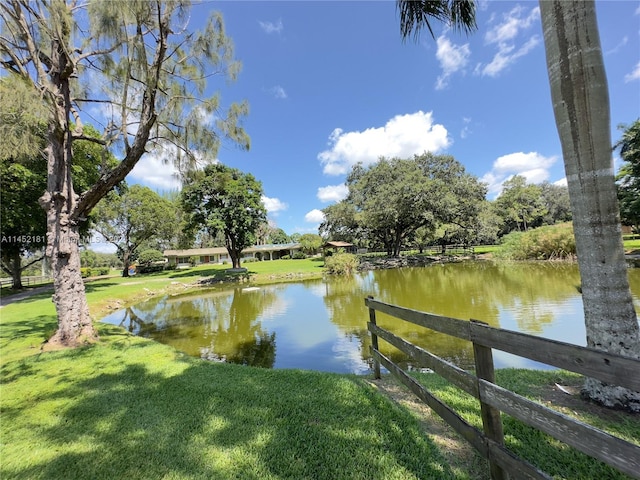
189,252
337,244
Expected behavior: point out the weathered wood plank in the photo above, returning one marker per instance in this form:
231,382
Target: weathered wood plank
475,437
450,326
449,371
609,368
471,434
491,421
611,450
518,468
374,341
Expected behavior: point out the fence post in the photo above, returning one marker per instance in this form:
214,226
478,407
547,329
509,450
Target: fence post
374,341
491,421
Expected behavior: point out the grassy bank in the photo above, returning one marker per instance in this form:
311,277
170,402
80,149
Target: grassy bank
131,408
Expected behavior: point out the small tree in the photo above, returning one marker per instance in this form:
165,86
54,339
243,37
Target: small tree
310,243
629,176
223,199
132,218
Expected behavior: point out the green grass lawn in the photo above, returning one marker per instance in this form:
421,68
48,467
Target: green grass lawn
128,407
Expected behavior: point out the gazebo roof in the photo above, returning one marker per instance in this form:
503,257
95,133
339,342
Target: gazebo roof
337,244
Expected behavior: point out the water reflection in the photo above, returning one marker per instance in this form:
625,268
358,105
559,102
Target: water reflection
322,324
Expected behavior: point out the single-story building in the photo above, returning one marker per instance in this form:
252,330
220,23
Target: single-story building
220,255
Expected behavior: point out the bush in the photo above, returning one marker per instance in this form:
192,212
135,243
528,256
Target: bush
285,257
298,255
341,264
149,268
544,243
104,271
85,272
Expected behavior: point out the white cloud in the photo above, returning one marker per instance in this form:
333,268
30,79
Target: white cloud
278,92
618,47
561,183
464,133
314,216
505,36
452,58
506,56
635,75
270,27
333,193
155,173
402,136
273,205
533,166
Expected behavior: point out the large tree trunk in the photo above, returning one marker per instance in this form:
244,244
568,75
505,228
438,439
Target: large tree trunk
125,263
581,107
16,270
74,323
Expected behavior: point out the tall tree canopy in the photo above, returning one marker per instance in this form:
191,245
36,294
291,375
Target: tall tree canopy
224,199
391,199
146,70
520,204
629,176
130,219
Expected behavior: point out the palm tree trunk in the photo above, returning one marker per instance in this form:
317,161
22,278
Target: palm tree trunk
581,107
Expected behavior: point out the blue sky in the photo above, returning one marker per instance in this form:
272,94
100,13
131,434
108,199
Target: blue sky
332,83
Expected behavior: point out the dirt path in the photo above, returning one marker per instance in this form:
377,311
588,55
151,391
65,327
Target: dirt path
6,300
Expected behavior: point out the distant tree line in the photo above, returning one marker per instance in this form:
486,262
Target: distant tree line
431,200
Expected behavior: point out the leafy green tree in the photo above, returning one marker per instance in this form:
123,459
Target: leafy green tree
555,199
389,200
628,177
147,257
148,69
130,219
224,199
278,236
310,243
341,223
520,204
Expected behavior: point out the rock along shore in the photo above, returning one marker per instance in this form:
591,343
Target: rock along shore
378,263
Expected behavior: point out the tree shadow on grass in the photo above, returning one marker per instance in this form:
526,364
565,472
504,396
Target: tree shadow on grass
139,420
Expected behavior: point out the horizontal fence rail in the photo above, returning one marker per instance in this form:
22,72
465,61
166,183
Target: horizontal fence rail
609,368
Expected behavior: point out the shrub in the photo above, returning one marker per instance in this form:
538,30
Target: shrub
104,271
341,264
544,243
298,255
85,272
149,268
285,257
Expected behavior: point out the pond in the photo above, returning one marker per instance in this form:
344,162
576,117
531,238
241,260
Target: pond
321,324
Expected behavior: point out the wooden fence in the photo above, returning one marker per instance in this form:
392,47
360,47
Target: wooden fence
28,281
612,369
